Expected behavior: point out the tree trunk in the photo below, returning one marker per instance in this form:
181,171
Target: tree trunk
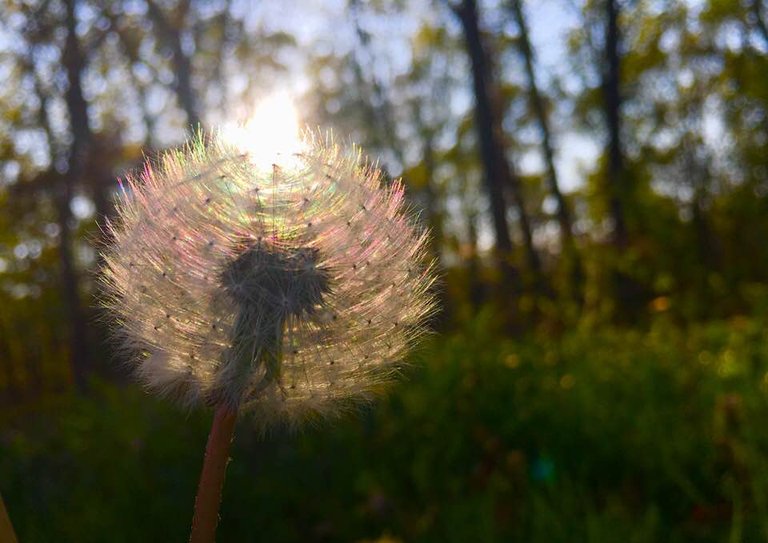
615,173
84,163
539,111
434,215
12,388
498,172
81,140
628,294
475,287
757,11
170,35
70,285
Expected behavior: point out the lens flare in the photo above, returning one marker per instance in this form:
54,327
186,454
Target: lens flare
271,136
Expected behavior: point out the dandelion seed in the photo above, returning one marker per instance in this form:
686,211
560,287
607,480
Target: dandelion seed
253,264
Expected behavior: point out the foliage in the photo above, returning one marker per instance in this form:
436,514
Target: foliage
606,435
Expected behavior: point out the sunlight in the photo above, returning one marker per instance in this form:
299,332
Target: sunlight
271,135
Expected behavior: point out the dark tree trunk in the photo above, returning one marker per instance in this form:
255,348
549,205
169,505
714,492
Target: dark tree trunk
498,172
12,388
706,245
169,34
434,216
70,285
616,180
628,294
81,140
77,107
489,148
86,166
704,237
84,163
540,112
757,11
475,287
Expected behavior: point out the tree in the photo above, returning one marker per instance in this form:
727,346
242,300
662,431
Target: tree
616,178
542,119
74,63
498,173
168,29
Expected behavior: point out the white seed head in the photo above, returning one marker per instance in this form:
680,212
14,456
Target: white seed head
288,294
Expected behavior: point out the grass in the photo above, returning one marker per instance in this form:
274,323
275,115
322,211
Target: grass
598,435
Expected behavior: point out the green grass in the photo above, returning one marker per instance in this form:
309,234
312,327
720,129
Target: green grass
599,435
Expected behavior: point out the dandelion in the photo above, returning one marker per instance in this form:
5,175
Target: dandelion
288,293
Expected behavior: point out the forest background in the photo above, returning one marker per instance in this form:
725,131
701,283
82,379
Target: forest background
595,175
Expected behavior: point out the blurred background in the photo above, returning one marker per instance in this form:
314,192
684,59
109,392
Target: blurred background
595,175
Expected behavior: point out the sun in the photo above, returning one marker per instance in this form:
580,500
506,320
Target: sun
271,136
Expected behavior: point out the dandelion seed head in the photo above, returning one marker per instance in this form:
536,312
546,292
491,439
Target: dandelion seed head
289,294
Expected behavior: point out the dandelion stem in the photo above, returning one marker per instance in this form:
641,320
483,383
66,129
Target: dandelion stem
208,498
6,528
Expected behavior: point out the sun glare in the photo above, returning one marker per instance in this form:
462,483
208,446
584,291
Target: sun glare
271,135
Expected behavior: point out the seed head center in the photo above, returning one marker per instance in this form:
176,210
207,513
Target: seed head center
276,282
